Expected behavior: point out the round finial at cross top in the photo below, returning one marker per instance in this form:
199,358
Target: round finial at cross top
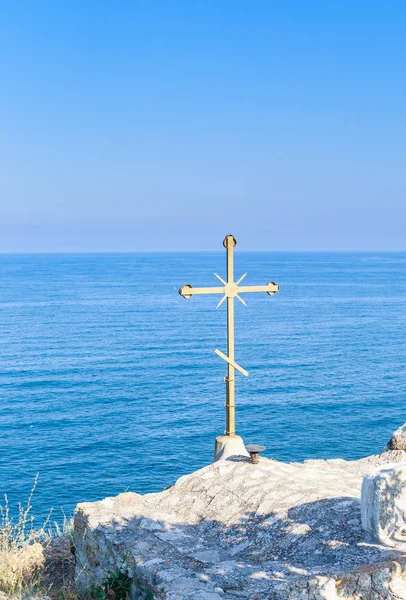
229,241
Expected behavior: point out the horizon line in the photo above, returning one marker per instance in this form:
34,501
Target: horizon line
64,252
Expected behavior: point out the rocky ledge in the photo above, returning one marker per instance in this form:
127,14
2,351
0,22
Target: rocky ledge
237,530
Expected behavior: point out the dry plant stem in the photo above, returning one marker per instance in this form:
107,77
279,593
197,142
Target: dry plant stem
22,548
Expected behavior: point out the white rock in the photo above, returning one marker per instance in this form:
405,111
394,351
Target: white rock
383,504
255,531
398,439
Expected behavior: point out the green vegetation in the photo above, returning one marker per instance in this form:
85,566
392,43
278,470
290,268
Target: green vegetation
116,587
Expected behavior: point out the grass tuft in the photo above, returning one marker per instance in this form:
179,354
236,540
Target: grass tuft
35,562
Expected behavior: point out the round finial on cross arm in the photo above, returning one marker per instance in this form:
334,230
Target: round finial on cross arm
229,241
273,288
183,291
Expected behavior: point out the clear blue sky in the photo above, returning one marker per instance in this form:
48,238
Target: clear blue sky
163,125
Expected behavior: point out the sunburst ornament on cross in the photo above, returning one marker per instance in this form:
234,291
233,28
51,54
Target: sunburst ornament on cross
230,443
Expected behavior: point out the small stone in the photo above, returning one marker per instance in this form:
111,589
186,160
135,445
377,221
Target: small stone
207,556
239,548
265,508
186,583
299,529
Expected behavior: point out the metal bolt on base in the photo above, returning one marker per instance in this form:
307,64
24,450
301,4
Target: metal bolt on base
254,451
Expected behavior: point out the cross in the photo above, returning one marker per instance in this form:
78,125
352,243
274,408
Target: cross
230,289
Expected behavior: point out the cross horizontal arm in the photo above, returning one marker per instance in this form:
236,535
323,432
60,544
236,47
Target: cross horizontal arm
208,290
187,291
271,288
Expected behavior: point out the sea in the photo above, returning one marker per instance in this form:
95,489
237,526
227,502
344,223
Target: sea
109,381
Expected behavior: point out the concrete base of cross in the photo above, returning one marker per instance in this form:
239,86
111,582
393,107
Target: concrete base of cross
229,445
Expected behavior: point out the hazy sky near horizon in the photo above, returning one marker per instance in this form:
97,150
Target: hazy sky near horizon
164,125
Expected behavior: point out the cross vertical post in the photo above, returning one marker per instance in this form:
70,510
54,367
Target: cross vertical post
229,290
229,243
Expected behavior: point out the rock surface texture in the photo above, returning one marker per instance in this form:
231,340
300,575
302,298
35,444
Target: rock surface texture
398,439
236,530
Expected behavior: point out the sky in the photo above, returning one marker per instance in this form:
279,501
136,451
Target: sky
163,125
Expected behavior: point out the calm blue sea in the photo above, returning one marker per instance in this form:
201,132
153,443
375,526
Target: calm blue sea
109,381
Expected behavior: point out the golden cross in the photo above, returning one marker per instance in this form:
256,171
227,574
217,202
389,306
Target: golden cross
230,290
